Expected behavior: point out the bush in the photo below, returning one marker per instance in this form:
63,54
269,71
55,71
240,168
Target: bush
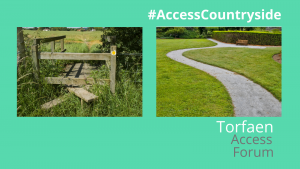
204,35
169,37
254,38
161,34
177,31
188,34
209,34
158,29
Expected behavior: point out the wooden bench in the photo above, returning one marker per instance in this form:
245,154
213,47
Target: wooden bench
242,42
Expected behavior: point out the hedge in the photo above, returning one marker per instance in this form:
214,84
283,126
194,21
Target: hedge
254,38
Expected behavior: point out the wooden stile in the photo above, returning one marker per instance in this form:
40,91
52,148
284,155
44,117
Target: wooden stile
83,94
52,103
74,81
53,50
53,46
36,64
62,47
75,56
113,66
20,45
49,39
110,58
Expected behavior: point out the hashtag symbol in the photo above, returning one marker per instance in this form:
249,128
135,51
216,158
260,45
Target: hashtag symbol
152,14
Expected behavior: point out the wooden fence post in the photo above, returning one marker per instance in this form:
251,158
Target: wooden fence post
35,59
53,50
53,46
113,65
62,47
20,45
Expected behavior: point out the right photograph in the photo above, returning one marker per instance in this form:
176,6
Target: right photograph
218,71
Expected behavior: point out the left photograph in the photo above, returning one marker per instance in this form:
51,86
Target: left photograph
79,71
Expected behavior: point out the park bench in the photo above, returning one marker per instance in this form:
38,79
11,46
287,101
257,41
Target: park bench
242,42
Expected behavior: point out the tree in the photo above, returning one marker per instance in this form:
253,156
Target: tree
201,29
128,39
164,29
99,28
41,28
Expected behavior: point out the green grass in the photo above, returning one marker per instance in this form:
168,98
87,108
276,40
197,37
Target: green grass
71,47
31,94
255,64
185,91
70,35
126,102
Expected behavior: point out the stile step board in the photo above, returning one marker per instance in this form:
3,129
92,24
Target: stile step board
74,81
69,81
83,94
52,103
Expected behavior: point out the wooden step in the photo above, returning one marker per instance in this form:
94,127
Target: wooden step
74,81
52,103
83,94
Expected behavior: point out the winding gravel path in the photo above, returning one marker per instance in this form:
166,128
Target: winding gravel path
249,99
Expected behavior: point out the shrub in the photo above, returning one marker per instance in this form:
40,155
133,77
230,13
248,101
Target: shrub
176,31
254,38
158,29
204,35
168,37
188,34
159,34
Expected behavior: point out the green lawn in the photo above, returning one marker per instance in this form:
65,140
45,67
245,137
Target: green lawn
255,64
185,91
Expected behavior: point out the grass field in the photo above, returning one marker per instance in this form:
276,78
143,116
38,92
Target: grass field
255,64
70,35
185,91
88,38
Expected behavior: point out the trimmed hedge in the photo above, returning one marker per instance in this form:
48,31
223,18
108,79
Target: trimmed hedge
254,38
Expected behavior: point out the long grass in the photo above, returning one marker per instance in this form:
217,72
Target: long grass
31,94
